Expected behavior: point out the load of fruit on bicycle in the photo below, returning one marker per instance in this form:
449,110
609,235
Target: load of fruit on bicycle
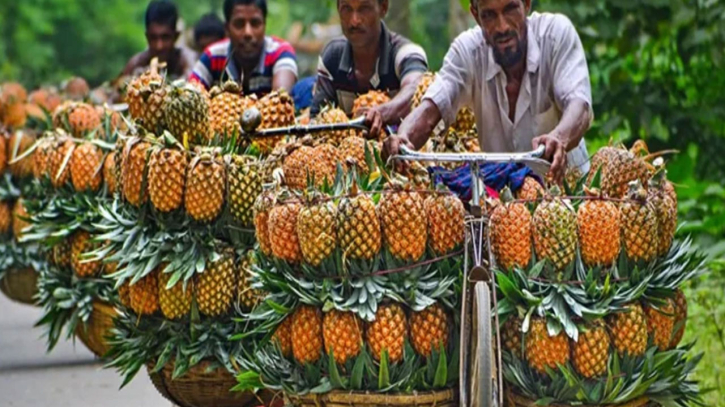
305,267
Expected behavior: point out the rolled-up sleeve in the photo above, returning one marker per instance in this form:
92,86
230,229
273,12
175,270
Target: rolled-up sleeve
570,70
451,88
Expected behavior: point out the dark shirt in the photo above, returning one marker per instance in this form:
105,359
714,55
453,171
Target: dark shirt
336,81
178,67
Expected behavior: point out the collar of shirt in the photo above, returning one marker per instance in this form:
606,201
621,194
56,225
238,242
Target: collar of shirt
381,68
233,70
533,55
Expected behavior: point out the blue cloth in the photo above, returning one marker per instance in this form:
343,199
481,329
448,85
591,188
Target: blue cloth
302,92
495,176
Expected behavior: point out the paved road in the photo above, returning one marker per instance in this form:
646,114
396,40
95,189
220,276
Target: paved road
70,376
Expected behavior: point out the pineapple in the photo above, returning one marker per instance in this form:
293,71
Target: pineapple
429,330
76,88
621,168
227,107
598,163
40,157
166,177
46,99
465,120
358,227
15,115
175,302
60,149
83,119
19,216
283,336
12,92
142,97
277,110
205,187
296,167
245,185
215,286
554,228
317,231
543,350
109,172
369,100
446,222
661,323
680,302
4,153
247,296
80,244
118,163
186,113
510,226
599,230
12,105
62,253
628,330
342,334
85,167
388,332
323,166
639,225
590,353
334,115
352,149
404,223
282,229
511,336
572,177
262,206
666,209
420,91
531,190
306,334
135,155
144,294
6,217
17,145
124,295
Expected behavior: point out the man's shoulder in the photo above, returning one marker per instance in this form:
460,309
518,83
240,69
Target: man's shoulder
277,46
551,25
334,48
218,49
471,38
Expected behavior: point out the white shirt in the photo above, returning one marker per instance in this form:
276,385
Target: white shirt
556,74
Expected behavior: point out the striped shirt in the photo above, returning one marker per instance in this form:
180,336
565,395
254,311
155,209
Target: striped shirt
216,65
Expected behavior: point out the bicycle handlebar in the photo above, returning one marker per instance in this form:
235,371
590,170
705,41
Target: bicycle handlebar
410,155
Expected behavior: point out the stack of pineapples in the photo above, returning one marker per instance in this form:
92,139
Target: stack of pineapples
590,288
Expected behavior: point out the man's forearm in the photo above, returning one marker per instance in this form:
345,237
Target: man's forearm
418,126
395,111
574,124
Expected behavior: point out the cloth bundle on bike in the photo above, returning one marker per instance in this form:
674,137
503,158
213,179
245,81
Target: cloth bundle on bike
496,177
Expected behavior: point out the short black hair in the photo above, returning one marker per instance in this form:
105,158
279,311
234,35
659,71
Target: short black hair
230,4
209,25
162,12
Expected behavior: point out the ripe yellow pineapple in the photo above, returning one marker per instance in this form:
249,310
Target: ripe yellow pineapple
144,294
429,330
544,351
262,205
680,303
14,115
41,157
282,229
283,336
598,163
109,172
660,323
6,217
61,148
227,107
12,105
124,294
135,155
175,302
62,253
85,167
76,88
216,285
666,209
12,92
135,97
342,334
388,332
245,185
358,226
4,152
317,231
46,99
296,167
531,190
20,214
333,115
371,99
511,336
599,230
166,177
590,354
404,223
639,225
186,113
277,110
306,334
465,120
572,177
82,119
554,229
422,88
621,168
19,142
205,187
446,222
352,149
510,225
323,167
80,244
628,330
247,296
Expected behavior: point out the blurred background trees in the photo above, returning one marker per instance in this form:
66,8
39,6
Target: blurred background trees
657,68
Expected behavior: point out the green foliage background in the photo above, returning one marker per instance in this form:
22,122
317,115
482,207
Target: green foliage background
657,67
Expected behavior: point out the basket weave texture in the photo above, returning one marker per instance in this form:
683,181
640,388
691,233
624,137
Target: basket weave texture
515,400
445,398
94,332
20,285
201,388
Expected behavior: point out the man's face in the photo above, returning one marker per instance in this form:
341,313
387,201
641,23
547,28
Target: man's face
504,27
161,39
246,28
360,20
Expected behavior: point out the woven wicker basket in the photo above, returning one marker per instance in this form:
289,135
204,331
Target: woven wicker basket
514,400
20,285
199,388
93,333
445,398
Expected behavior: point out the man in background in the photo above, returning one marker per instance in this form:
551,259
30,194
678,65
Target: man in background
258,62
369,57
208,30
161,35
